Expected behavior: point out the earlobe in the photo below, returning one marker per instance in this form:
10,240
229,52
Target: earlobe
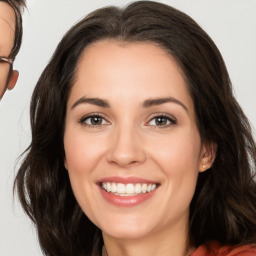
208,156
13,79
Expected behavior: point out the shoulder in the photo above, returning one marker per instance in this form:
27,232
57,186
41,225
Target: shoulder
215,249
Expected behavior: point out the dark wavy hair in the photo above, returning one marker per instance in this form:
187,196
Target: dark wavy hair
224,205
18,6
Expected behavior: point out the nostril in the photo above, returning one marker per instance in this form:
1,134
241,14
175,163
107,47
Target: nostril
126,148
126,156
124,163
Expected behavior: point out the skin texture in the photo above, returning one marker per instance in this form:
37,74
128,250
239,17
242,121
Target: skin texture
7,29
129,142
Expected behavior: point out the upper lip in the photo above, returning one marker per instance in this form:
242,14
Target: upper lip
126,180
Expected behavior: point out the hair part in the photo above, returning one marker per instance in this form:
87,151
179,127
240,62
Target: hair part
224,205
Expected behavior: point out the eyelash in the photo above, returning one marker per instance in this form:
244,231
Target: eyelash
167,118
90,117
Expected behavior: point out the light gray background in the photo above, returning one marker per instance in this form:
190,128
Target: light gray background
231,24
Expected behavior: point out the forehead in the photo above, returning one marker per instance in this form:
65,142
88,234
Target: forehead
141,70
122,63
7,28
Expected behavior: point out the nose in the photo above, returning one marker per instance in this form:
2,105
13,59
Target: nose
126,148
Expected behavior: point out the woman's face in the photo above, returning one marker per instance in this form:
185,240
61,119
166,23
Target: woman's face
133,150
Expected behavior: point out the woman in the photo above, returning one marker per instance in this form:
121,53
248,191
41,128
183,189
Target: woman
138,145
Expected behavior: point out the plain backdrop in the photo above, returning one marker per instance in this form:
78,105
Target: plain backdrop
230,23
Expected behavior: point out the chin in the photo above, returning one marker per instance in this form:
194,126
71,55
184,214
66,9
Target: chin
128,229
127,233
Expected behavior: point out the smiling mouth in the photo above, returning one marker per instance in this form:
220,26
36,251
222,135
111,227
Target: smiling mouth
130,189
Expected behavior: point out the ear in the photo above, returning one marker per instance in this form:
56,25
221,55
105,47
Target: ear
208,155
13,79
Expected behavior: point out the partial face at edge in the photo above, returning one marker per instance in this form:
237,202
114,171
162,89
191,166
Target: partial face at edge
130,119
7,33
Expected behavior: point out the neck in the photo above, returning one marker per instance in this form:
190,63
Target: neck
160,244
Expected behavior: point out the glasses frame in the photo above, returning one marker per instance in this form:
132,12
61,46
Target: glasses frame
4,59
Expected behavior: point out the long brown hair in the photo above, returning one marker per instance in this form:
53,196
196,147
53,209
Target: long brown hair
224,205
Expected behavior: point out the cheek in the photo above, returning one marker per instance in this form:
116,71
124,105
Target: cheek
82,152
83,155
178,152
178,158
81,158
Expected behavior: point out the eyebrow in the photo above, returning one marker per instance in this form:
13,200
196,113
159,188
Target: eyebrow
94,101
146,104
158,101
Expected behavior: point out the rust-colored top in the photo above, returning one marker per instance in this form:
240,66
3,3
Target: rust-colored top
215,249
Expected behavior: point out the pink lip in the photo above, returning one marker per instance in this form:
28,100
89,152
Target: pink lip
126,180
126,201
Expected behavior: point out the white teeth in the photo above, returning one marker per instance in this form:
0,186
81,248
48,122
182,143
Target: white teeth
127,189
114,187
108,187
144,188
120,188
137,188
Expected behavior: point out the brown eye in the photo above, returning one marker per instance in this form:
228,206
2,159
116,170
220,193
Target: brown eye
162,121
96,120
93,120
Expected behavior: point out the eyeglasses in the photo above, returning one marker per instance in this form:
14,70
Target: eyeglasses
4,59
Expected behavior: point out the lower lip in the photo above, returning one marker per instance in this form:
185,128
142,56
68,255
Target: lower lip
126,201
